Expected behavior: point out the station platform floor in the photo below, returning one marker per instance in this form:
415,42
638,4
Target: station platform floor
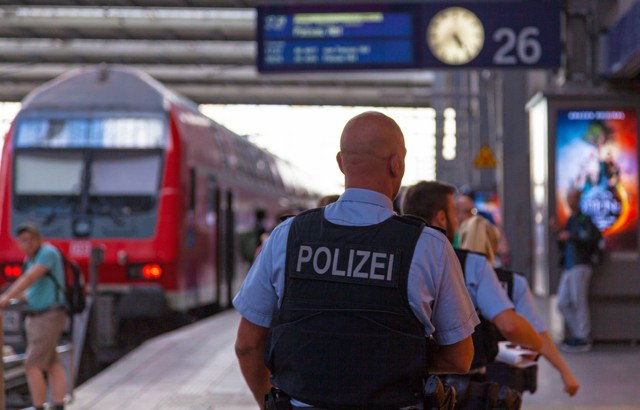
195,368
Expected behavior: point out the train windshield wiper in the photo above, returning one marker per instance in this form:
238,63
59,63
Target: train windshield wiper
106,207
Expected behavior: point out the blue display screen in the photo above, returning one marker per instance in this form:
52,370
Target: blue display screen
337,25
291,40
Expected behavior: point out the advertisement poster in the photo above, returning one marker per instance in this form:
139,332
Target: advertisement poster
596,152
488,205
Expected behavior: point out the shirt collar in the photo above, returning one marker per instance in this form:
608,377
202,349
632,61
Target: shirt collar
368,196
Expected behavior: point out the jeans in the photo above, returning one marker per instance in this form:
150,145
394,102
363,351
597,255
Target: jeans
573,300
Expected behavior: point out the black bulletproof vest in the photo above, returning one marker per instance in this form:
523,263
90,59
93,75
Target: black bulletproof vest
345,336
506,280
486,335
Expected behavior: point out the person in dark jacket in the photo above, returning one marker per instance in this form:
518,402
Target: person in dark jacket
578,241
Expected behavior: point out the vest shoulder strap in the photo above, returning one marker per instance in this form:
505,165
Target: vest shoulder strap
505,277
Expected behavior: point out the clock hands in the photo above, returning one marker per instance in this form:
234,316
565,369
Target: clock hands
464,47
461,45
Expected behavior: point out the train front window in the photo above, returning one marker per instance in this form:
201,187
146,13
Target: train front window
118,132
124,182
89,175
48,180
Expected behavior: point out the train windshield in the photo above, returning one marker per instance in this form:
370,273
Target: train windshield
107,171
124,183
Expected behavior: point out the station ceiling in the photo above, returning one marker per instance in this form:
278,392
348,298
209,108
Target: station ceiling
203,49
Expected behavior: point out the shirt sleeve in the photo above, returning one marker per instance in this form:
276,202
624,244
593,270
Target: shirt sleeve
261,292
437,293
46,257
490,295
525,303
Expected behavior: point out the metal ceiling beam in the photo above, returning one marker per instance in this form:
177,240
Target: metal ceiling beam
136,3
230,74
96,23
127,51
263,94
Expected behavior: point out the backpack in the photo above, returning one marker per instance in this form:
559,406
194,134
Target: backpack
74,291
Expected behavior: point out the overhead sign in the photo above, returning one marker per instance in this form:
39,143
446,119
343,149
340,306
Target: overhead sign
388,36
312,38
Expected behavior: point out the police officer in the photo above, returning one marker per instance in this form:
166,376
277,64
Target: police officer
342,299
434,202
520,294
522,298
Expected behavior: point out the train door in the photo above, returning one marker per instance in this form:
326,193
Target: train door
226,247
211,228
216,215
230,250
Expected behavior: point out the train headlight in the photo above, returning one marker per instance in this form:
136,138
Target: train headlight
147,271
11,271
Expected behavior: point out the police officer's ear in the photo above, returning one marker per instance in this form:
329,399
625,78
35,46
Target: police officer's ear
396,165
440,219
339,160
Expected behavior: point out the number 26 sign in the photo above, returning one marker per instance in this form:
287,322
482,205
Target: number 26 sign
492,34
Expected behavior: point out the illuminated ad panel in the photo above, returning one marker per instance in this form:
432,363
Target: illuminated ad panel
488,204
596,152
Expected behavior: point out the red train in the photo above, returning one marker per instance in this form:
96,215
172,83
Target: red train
106,157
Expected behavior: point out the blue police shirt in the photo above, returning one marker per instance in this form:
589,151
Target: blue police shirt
487,294
436,291
42,294
525,304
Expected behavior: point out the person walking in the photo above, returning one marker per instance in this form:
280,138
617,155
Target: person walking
46,316
343,299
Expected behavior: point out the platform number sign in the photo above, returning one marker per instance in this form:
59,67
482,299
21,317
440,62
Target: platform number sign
523,47
493,34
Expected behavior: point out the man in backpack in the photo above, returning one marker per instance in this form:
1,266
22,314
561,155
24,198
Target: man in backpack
46,317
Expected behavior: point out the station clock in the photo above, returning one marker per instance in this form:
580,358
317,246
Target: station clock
455,35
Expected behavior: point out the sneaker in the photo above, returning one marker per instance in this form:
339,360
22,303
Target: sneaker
575,345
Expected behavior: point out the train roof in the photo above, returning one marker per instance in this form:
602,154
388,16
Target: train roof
104,87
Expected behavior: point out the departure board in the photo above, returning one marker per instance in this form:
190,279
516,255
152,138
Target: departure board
300,40
338,37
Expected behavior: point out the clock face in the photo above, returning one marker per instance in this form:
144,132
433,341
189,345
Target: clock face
455,35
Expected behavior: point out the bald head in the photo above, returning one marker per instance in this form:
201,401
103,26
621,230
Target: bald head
372,153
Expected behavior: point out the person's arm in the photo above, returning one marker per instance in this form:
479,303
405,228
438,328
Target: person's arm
516,329
249,347
454,358
22,283
551,353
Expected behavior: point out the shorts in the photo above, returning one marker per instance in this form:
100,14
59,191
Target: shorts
43,331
